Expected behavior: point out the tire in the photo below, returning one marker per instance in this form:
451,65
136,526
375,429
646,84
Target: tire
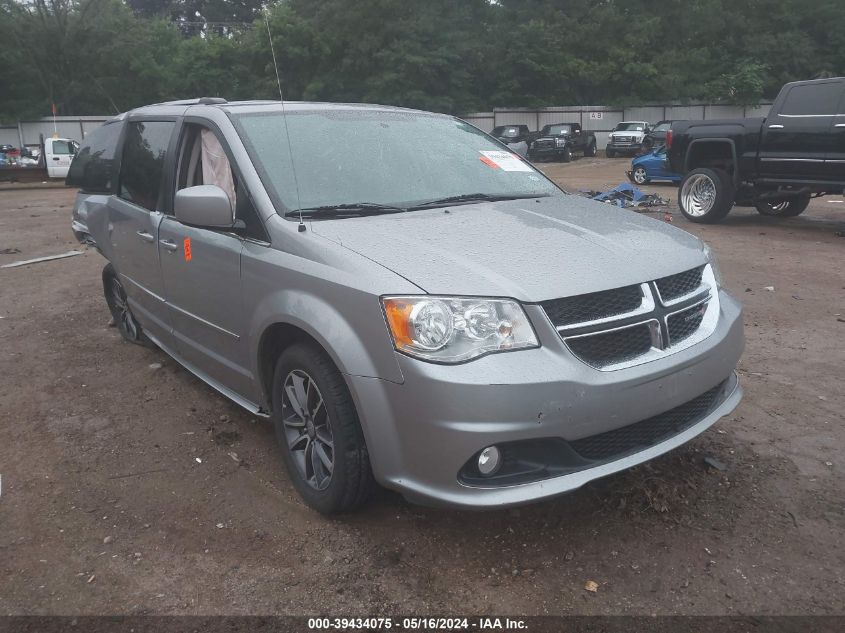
591,150
609,153
121,313
567,155
324,450
784,209
639,175
706,195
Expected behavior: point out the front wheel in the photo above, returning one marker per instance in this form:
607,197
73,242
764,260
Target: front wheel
318,431
591,150
640,175
609,153
567,155
783,209
706,195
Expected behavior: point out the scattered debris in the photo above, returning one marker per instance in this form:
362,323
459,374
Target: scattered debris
769,288
626,195
592,586
10,251
48,258
569,555
234,456
797,297
198,460
220,526
155,366
91,579
108,540
715,463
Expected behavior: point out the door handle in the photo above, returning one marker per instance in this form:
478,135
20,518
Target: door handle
776,127
171,246
147,237
55,158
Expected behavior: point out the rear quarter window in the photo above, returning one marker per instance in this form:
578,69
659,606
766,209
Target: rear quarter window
92,169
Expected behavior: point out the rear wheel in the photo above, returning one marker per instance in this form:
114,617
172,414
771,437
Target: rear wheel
318,431
640,175
706,195
783,209
121,313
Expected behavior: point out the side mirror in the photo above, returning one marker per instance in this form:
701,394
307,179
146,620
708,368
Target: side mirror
204,205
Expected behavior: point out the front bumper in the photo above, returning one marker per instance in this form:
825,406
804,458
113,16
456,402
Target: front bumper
547,152
421,433
622,148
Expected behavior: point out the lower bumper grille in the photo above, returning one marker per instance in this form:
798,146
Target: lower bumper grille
641,435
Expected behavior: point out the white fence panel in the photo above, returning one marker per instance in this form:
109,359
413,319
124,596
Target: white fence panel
652,114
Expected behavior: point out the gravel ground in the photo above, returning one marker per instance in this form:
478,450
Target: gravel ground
129,487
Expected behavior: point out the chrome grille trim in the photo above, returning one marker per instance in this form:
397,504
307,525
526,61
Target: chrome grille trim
655,314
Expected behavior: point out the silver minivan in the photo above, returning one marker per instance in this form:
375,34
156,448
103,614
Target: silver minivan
411,303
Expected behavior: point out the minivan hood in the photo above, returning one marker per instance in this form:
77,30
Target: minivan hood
531,250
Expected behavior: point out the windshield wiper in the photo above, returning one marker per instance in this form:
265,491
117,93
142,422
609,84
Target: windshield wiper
475,197
345,210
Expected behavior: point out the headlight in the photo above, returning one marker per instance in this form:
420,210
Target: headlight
711,257
456,329
560,142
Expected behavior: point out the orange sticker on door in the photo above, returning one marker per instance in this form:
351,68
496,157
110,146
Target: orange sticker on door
187,244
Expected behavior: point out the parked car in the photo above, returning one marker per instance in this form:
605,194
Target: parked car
652,166
416,306
562,141
516,137
627,138
775,164
656,136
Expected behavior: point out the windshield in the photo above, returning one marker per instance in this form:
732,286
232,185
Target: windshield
383,157
630,127
506,131
557,129
662,127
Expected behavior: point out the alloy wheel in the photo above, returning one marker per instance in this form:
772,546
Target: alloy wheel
698,195
640,176
307,429
120,309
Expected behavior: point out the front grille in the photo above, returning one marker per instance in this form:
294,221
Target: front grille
593,306
684,283
685,323
623,139
640,435
610,348
543,144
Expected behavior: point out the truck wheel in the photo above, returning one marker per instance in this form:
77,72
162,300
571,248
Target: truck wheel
591,150
784,209
567,155
640,176
609,153
121,313
706,195
318,431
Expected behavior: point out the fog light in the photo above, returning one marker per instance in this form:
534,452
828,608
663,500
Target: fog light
489,461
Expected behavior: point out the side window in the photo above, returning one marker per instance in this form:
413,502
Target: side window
62,147
813,99
141,169
92,169
204,161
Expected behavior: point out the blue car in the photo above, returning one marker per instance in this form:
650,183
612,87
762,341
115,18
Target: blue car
652,166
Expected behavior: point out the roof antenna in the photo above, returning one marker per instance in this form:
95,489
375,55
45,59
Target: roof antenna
301,227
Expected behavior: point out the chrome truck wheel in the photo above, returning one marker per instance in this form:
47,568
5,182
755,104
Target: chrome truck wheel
706,195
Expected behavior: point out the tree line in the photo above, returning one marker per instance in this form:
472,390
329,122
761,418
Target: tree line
102,56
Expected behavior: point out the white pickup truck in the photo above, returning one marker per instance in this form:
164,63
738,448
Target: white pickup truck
53,162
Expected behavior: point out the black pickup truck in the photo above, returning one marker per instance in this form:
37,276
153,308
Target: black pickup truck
775,164
562,140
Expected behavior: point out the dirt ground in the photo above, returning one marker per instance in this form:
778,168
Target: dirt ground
133,489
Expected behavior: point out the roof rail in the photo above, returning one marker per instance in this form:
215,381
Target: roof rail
211,100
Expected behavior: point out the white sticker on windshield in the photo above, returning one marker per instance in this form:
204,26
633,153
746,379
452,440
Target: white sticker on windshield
504,161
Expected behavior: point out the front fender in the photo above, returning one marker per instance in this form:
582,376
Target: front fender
356,339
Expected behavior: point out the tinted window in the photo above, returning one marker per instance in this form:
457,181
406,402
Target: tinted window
557,129
810,99
92,169
143,161
388,157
